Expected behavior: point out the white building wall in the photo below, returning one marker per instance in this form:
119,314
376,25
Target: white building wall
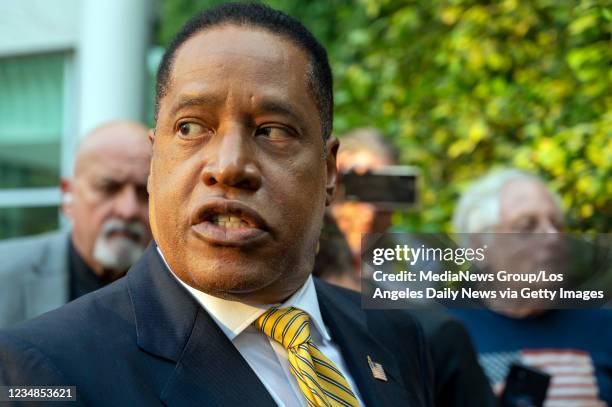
38,26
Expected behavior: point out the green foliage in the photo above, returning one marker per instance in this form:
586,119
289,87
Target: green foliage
464,86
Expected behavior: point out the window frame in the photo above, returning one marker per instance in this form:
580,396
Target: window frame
51,196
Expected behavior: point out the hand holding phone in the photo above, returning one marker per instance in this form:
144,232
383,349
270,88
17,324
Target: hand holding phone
525,387
389,188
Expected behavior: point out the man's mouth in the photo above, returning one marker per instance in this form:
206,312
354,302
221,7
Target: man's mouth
228,223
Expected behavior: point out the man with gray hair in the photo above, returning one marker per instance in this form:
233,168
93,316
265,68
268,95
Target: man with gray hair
479,209
571,346
107,203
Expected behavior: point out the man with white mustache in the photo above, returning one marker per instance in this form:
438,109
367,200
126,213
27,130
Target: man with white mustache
118,244
107,203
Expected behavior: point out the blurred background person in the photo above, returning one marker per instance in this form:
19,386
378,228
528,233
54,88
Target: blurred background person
334,260
572,346
107,203
362,150
458,378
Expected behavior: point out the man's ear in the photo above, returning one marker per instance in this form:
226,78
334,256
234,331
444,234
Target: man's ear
331,145
66,195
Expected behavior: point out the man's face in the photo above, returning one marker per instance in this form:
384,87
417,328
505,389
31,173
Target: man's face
527,239
534,220
109,205
238,177
526,206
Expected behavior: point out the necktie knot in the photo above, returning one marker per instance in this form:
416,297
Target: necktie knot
288,326
320,381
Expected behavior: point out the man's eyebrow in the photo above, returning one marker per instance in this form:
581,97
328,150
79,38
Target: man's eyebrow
190,101
282,108
109,180
115,181
265,105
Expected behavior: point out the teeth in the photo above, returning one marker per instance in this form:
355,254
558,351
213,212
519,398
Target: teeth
229,221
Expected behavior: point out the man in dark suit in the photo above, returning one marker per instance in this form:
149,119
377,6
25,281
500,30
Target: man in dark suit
222,309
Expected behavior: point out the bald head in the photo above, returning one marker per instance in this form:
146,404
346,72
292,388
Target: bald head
122,137
108,202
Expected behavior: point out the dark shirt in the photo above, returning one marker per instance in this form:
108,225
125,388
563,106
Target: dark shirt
458,379
83,280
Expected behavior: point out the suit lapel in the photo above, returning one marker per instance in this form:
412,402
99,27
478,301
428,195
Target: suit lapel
209,370
212,372
349,330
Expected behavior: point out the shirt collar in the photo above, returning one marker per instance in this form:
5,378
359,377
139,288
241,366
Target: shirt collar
234,317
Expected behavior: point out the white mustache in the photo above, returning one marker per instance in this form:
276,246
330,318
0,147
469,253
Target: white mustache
134,229
120,254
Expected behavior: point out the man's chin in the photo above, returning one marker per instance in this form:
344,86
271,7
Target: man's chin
256,285
231,281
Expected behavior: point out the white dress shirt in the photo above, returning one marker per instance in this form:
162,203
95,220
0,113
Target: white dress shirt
268,358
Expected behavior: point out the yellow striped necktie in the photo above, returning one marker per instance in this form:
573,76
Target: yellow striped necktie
319,379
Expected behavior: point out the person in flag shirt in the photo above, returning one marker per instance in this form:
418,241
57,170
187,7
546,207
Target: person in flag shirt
573,346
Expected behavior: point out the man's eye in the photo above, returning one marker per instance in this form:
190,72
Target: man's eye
520,225
109,188
273,133
190,130
528,224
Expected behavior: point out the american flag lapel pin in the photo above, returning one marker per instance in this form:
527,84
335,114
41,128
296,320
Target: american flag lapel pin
377,370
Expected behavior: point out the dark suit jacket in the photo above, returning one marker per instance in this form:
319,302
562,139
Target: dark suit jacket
144,340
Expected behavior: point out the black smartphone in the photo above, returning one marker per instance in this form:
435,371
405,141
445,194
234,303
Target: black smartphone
525,387
390,188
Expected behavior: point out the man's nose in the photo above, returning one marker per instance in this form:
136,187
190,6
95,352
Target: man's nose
230,161
127,205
